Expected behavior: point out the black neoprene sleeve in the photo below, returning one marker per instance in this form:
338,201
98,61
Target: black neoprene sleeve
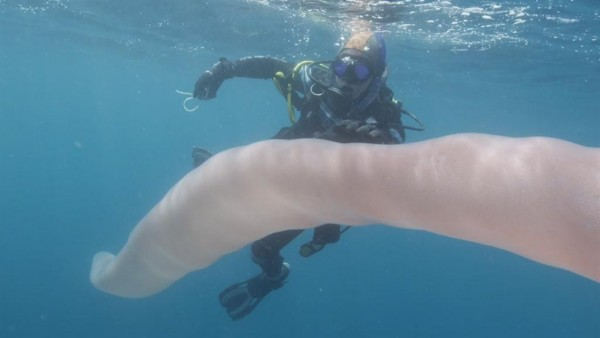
260,67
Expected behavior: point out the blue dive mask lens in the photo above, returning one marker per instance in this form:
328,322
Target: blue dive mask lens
351,70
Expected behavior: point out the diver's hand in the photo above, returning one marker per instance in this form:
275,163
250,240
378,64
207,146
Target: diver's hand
209,82
359,131
361,128
352,131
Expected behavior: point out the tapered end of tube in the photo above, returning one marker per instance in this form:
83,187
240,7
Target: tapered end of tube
100,264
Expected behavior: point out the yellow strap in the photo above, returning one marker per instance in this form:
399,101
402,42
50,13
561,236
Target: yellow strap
276,80
288,91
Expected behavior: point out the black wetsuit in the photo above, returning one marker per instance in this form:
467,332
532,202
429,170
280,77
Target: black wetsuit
382,114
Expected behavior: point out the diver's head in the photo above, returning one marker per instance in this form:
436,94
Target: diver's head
359,62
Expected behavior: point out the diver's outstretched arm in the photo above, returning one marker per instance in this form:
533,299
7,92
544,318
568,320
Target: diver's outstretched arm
259,67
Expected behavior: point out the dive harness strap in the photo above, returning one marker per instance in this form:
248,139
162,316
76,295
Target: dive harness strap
285,87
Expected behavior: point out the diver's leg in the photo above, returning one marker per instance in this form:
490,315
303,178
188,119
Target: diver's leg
265,251
242,298
327,233
324,234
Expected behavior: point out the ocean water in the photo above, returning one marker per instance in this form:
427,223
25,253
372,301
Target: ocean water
93,133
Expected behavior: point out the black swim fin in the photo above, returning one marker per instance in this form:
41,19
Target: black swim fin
242,298
200,155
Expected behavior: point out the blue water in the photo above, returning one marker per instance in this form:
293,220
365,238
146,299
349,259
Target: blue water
92,134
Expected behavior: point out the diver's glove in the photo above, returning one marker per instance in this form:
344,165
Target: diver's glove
209,82
360,131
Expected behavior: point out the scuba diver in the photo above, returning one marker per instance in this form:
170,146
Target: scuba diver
344,100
